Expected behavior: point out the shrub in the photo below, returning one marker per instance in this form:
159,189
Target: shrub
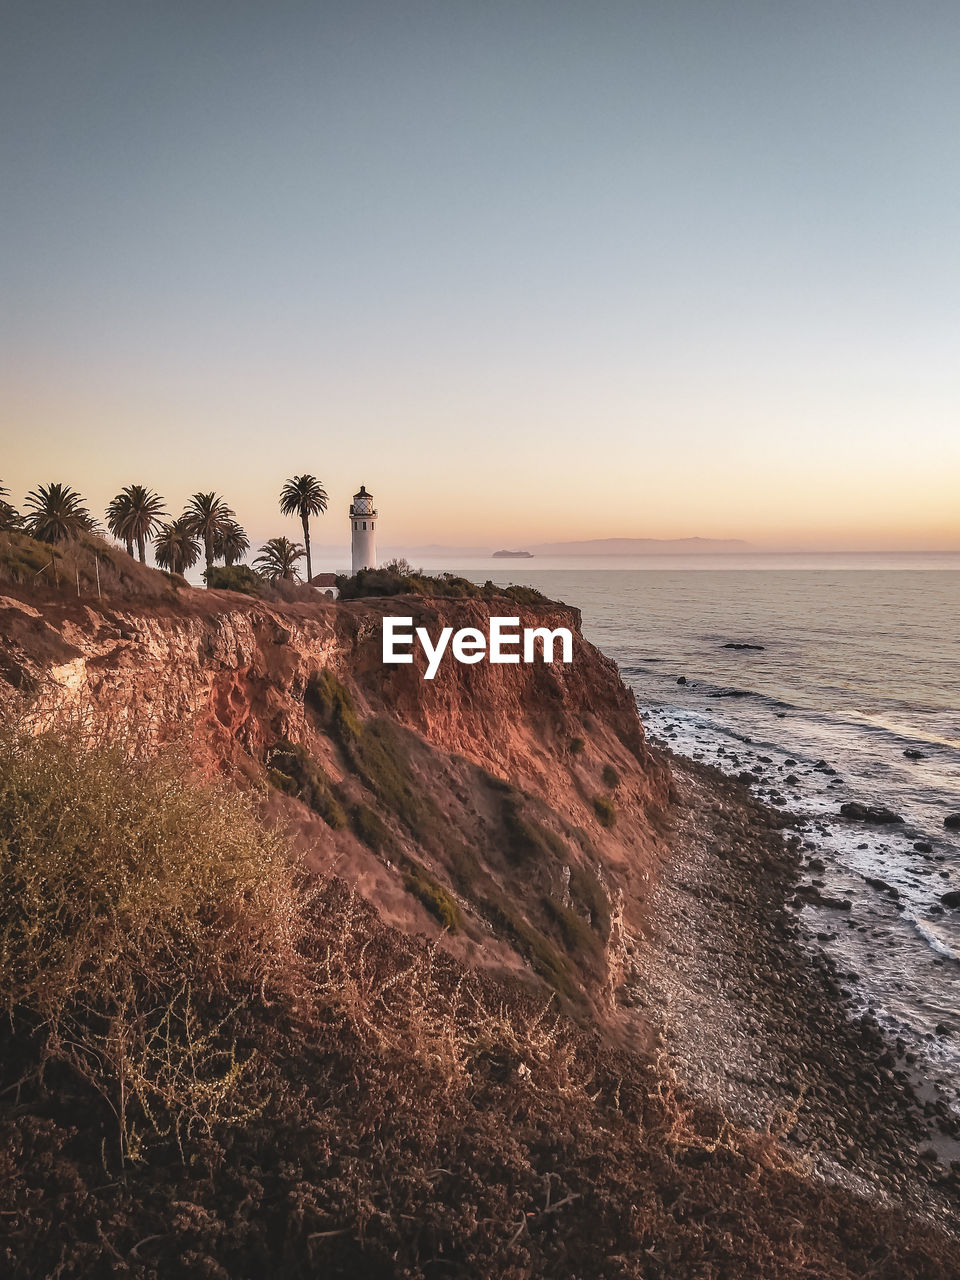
333,703
371,829
610,776
294,771
527,838
133,897
577,746
577,936
434,897
388,581
397,578
533,945
283,782
605,810
526,595
234,577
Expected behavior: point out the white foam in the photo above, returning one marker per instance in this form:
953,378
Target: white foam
931,937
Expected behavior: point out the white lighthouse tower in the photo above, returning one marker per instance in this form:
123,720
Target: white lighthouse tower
363,542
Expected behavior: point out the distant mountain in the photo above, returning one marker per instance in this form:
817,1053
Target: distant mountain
644,547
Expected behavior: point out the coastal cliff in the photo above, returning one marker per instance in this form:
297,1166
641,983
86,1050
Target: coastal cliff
517,808
440,1041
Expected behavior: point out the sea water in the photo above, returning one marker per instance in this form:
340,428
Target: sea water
857,662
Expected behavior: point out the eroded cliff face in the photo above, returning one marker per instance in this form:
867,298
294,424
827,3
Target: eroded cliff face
519,806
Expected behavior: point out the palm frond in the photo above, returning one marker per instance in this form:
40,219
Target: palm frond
303,496
57,513
278,559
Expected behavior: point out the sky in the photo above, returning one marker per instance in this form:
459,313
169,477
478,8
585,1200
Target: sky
528,271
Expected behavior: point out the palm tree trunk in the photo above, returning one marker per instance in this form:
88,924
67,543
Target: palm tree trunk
142,549
208,552
305,521
129,542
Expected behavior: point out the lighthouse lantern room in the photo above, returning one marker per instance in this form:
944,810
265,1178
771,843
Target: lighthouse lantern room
363,518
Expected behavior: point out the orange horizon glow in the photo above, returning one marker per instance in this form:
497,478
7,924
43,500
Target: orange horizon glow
476,487
631,280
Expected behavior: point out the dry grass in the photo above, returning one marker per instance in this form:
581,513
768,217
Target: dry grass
117,864
211,1067
89,568
131,898
145,913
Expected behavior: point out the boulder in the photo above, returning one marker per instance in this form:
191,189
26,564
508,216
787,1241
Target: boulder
952,822
877,814
876,883
811,895
951,898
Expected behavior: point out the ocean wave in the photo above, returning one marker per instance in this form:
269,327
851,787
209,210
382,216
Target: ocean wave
909,734
873,724
931,937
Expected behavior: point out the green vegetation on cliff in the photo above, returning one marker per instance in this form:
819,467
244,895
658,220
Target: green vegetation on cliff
293,770
399,579
234,577
375,751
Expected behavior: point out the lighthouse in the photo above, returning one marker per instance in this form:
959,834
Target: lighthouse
363,543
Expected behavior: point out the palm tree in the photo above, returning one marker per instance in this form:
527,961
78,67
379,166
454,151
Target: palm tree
207,517
118,519
133,515
57,513
304,496
175,548
232,544
9,515
278,559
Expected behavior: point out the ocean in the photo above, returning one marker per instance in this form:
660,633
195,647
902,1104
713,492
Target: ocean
857,662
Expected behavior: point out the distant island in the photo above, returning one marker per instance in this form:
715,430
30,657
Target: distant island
513,555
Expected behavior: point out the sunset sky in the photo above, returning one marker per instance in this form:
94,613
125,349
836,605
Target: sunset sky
529,271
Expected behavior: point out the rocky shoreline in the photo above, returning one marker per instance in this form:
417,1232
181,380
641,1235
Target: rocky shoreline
756,1021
